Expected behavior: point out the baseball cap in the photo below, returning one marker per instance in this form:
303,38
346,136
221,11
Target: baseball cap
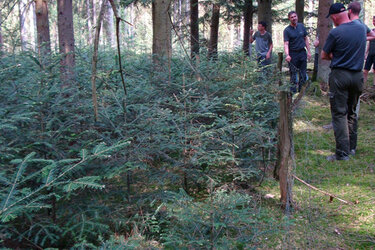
336,8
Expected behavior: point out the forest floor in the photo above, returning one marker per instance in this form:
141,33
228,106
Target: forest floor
318,223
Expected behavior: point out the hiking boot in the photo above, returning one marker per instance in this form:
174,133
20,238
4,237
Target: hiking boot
334,157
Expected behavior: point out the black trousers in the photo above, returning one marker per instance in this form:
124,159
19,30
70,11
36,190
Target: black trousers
345,87
297,69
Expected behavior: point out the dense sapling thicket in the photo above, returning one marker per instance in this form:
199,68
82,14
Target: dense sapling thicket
163,166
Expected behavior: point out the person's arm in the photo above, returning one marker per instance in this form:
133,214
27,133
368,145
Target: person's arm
286,46
268,56
370,35
286,50
316,42
251,36
307,43
326,56
367,49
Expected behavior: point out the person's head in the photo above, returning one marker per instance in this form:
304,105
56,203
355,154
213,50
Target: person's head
262,26
338,14
354,8
293,18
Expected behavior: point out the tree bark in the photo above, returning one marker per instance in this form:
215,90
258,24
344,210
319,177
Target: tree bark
95,60
161,34
265,13
248,21
89,21
214,32
300,10
1,34
324,26
42,29
109,25
66,41
194,28
33,26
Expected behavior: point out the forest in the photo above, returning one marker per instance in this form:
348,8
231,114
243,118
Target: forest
149,124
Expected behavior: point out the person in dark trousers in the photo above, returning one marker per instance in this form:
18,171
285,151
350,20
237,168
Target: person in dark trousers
370,58
295,42
264,45
345,47
354,9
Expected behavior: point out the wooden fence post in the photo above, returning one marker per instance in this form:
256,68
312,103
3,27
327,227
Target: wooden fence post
284,164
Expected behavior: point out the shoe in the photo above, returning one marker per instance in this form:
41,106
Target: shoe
334,157
352,152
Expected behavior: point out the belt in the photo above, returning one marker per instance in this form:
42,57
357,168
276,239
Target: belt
298,50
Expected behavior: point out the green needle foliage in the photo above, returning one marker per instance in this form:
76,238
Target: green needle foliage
67,181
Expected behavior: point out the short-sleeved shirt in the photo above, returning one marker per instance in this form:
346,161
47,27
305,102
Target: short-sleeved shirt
262,42
347,43
360,21
295,36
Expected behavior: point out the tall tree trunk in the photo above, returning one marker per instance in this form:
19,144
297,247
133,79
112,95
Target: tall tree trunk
300,9
22,7
89,21
161,33
42,27
1,34
265,13
130,28
66,40
32,17
248,21
93,13
194,28
324,26
214,32
109,26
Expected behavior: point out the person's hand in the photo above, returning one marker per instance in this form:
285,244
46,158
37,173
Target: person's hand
251,31
316,43
268,56
288,58
308,55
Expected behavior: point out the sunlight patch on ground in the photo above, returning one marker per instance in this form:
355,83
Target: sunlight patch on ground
305,126
314,103
321,152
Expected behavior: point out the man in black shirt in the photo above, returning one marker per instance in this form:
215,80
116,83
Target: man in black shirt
345,47
295,41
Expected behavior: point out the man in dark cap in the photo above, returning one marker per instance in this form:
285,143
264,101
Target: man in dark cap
345,47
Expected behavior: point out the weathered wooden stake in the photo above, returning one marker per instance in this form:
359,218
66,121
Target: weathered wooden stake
285,160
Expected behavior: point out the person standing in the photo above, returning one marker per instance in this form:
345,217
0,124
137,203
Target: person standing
370,58
295,42
345,47
264,45
354,8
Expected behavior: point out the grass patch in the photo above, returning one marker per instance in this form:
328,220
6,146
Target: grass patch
318,224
